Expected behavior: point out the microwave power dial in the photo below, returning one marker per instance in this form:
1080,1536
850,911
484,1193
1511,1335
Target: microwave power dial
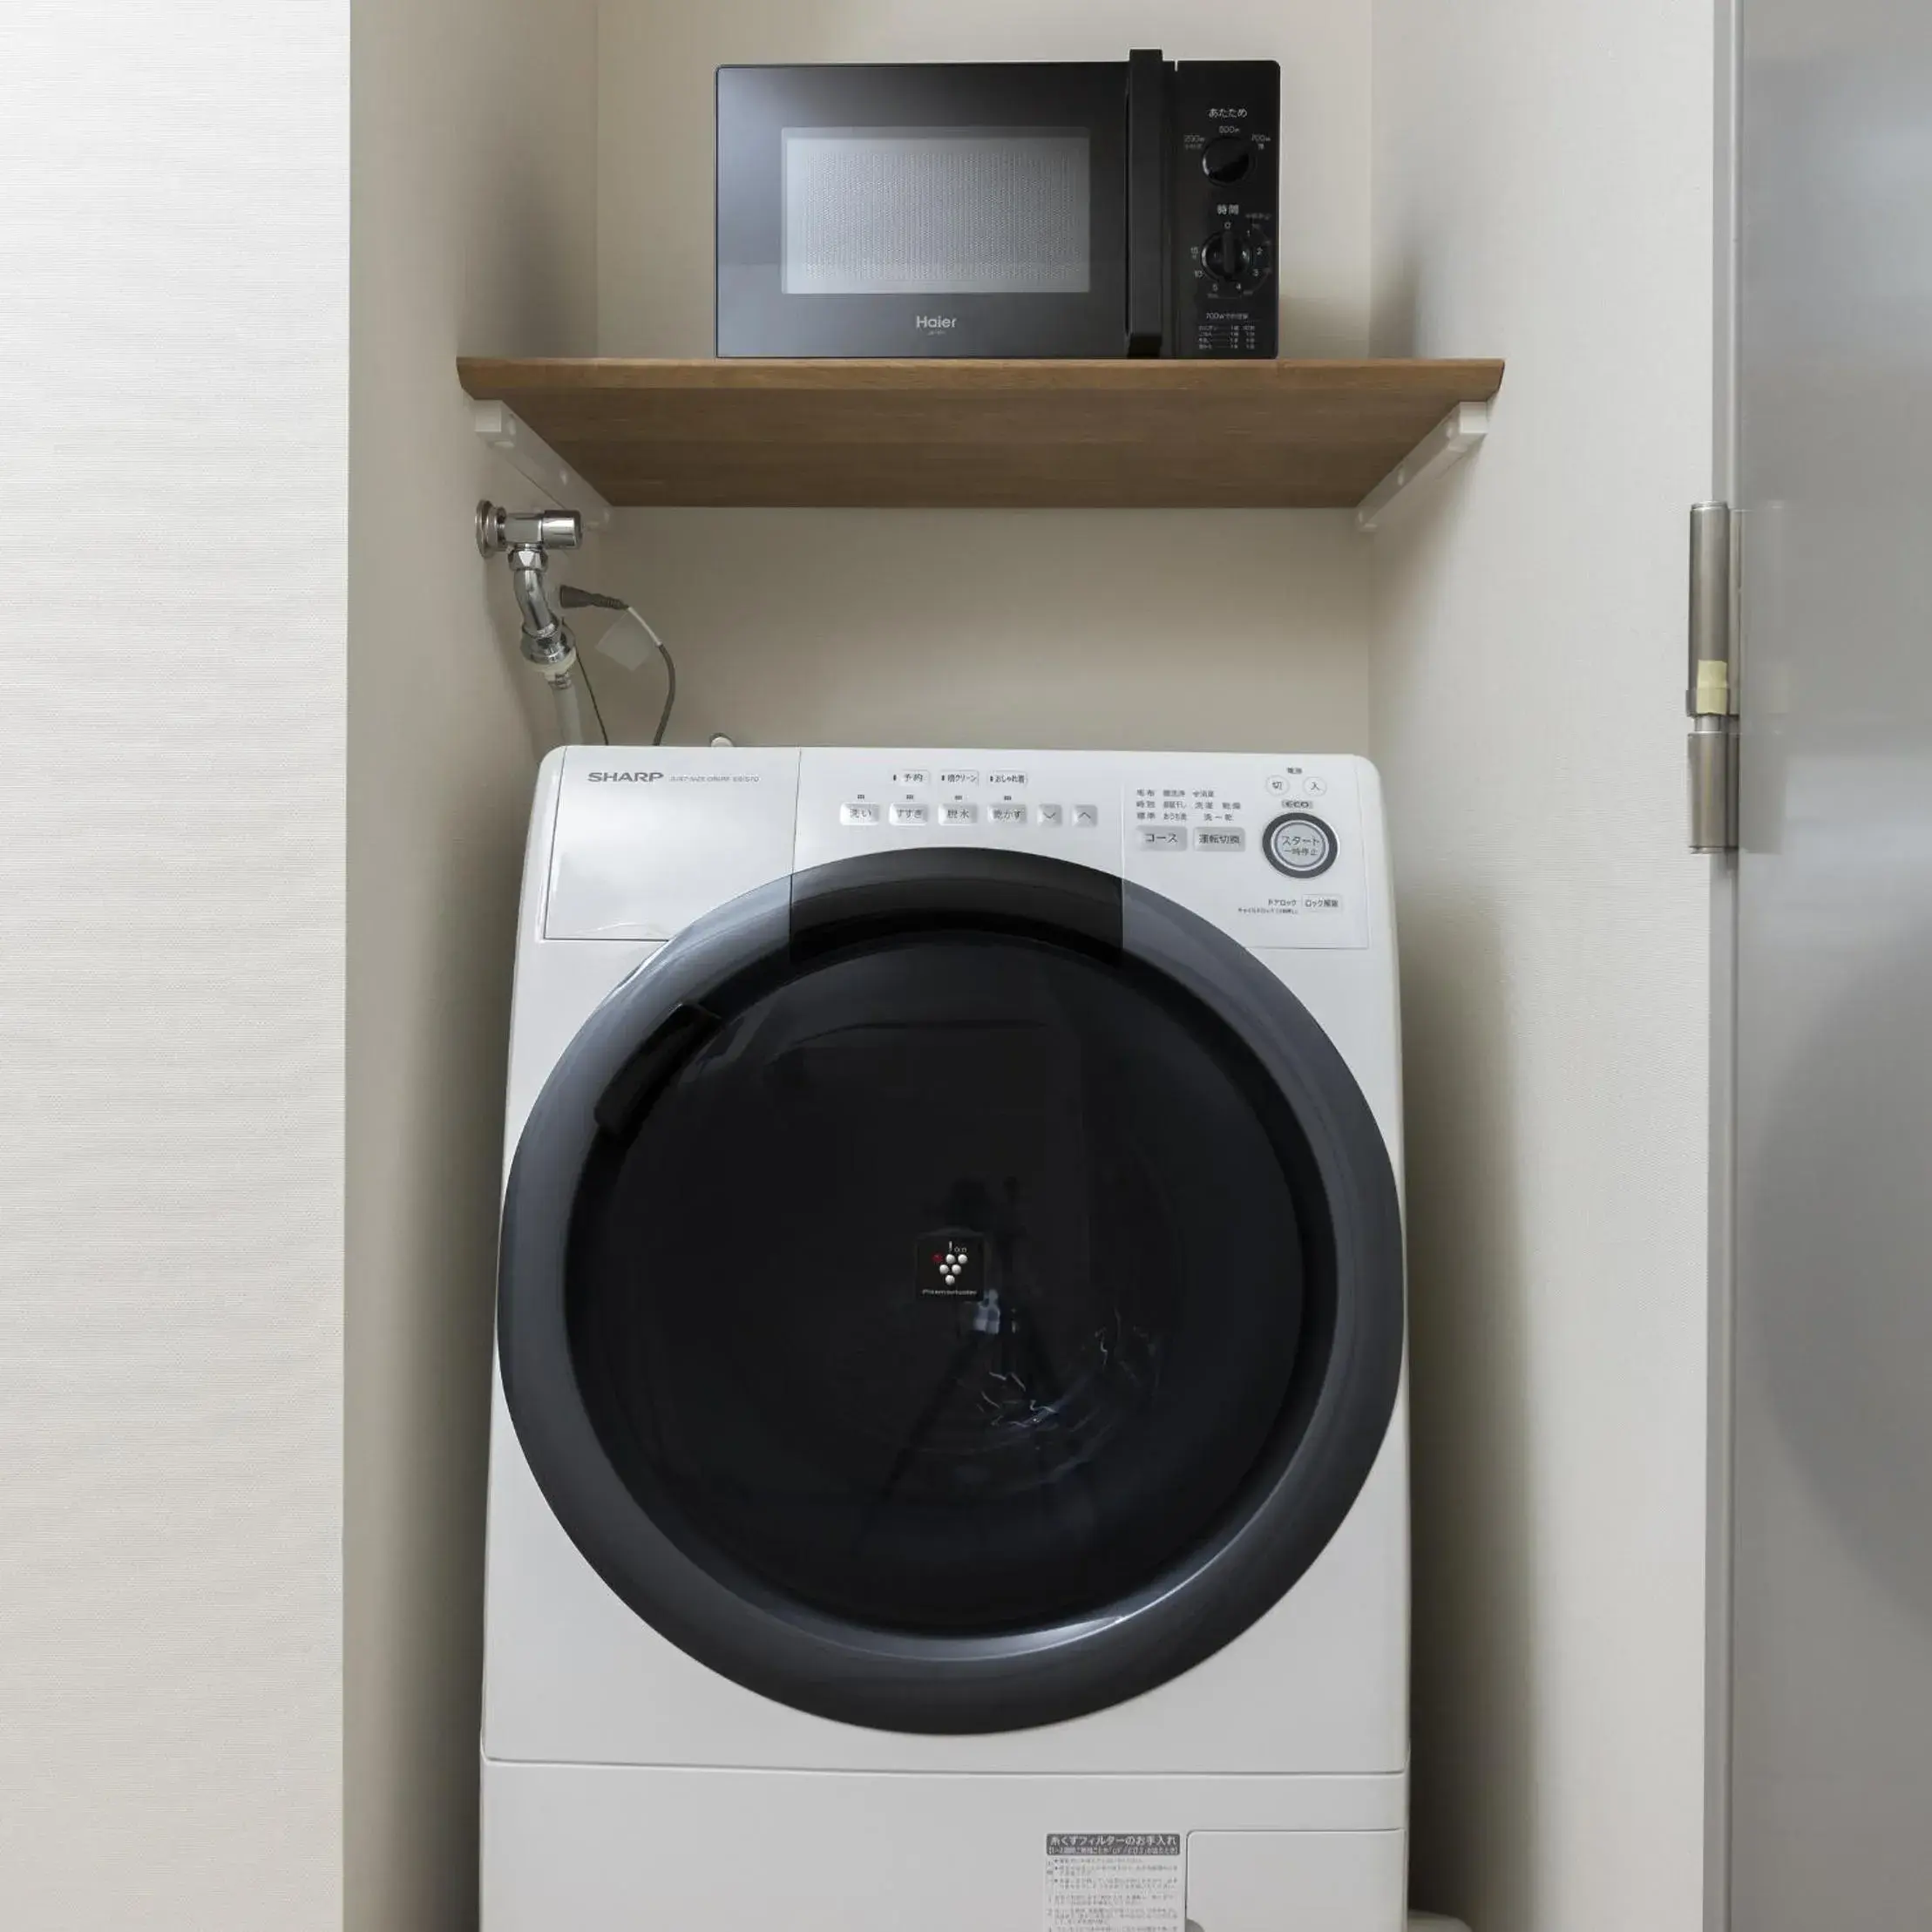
1227,158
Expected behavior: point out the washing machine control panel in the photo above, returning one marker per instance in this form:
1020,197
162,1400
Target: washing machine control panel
1270,847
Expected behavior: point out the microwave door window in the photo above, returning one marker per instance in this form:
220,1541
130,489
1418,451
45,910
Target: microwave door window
936,211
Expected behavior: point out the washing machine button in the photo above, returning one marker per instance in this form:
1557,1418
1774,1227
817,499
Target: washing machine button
1300,844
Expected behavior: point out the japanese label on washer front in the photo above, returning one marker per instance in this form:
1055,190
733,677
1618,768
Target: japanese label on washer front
1113,1882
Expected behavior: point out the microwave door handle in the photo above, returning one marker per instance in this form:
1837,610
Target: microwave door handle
1146,143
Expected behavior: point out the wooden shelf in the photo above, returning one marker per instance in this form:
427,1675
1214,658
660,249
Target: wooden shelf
1112,435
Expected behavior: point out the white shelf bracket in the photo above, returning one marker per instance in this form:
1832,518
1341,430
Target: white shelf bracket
525,451
1460,431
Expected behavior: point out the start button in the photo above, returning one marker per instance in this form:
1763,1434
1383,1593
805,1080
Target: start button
1300,844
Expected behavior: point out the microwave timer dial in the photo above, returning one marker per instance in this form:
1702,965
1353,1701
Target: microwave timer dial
1237,258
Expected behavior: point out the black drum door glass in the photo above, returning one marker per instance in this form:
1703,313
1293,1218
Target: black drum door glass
957,1284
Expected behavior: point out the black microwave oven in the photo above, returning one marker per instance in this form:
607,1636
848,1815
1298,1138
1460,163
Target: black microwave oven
1104,209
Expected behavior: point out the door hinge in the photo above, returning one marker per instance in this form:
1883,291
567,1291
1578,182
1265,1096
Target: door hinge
1711,698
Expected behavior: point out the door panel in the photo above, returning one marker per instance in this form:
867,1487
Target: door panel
951,1289
1312,1881
953,1285
1832,1638
958,210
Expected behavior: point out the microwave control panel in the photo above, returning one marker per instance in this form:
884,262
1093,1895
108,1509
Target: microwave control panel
1225,118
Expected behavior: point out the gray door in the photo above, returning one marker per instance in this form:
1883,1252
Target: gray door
1830,1675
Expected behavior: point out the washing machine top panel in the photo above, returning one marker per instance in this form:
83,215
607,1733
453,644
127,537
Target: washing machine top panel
1272,849
951,1288
649,839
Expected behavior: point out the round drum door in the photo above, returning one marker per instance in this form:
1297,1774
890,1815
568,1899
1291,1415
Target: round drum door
951,1290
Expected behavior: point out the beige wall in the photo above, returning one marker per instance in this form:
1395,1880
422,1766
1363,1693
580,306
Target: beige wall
1543,181
875,627
174,308
1510,651
1242,629
475,202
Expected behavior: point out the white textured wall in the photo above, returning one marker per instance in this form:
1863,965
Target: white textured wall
1544,180
474,213
1052,627
174,308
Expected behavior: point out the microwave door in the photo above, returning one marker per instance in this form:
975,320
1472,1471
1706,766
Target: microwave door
1148,166
960,211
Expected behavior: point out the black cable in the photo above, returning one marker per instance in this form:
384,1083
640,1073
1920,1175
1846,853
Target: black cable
670,682
590,692
571,599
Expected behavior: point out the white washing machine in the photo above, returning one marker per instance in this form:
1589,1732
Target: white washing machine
949,1456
